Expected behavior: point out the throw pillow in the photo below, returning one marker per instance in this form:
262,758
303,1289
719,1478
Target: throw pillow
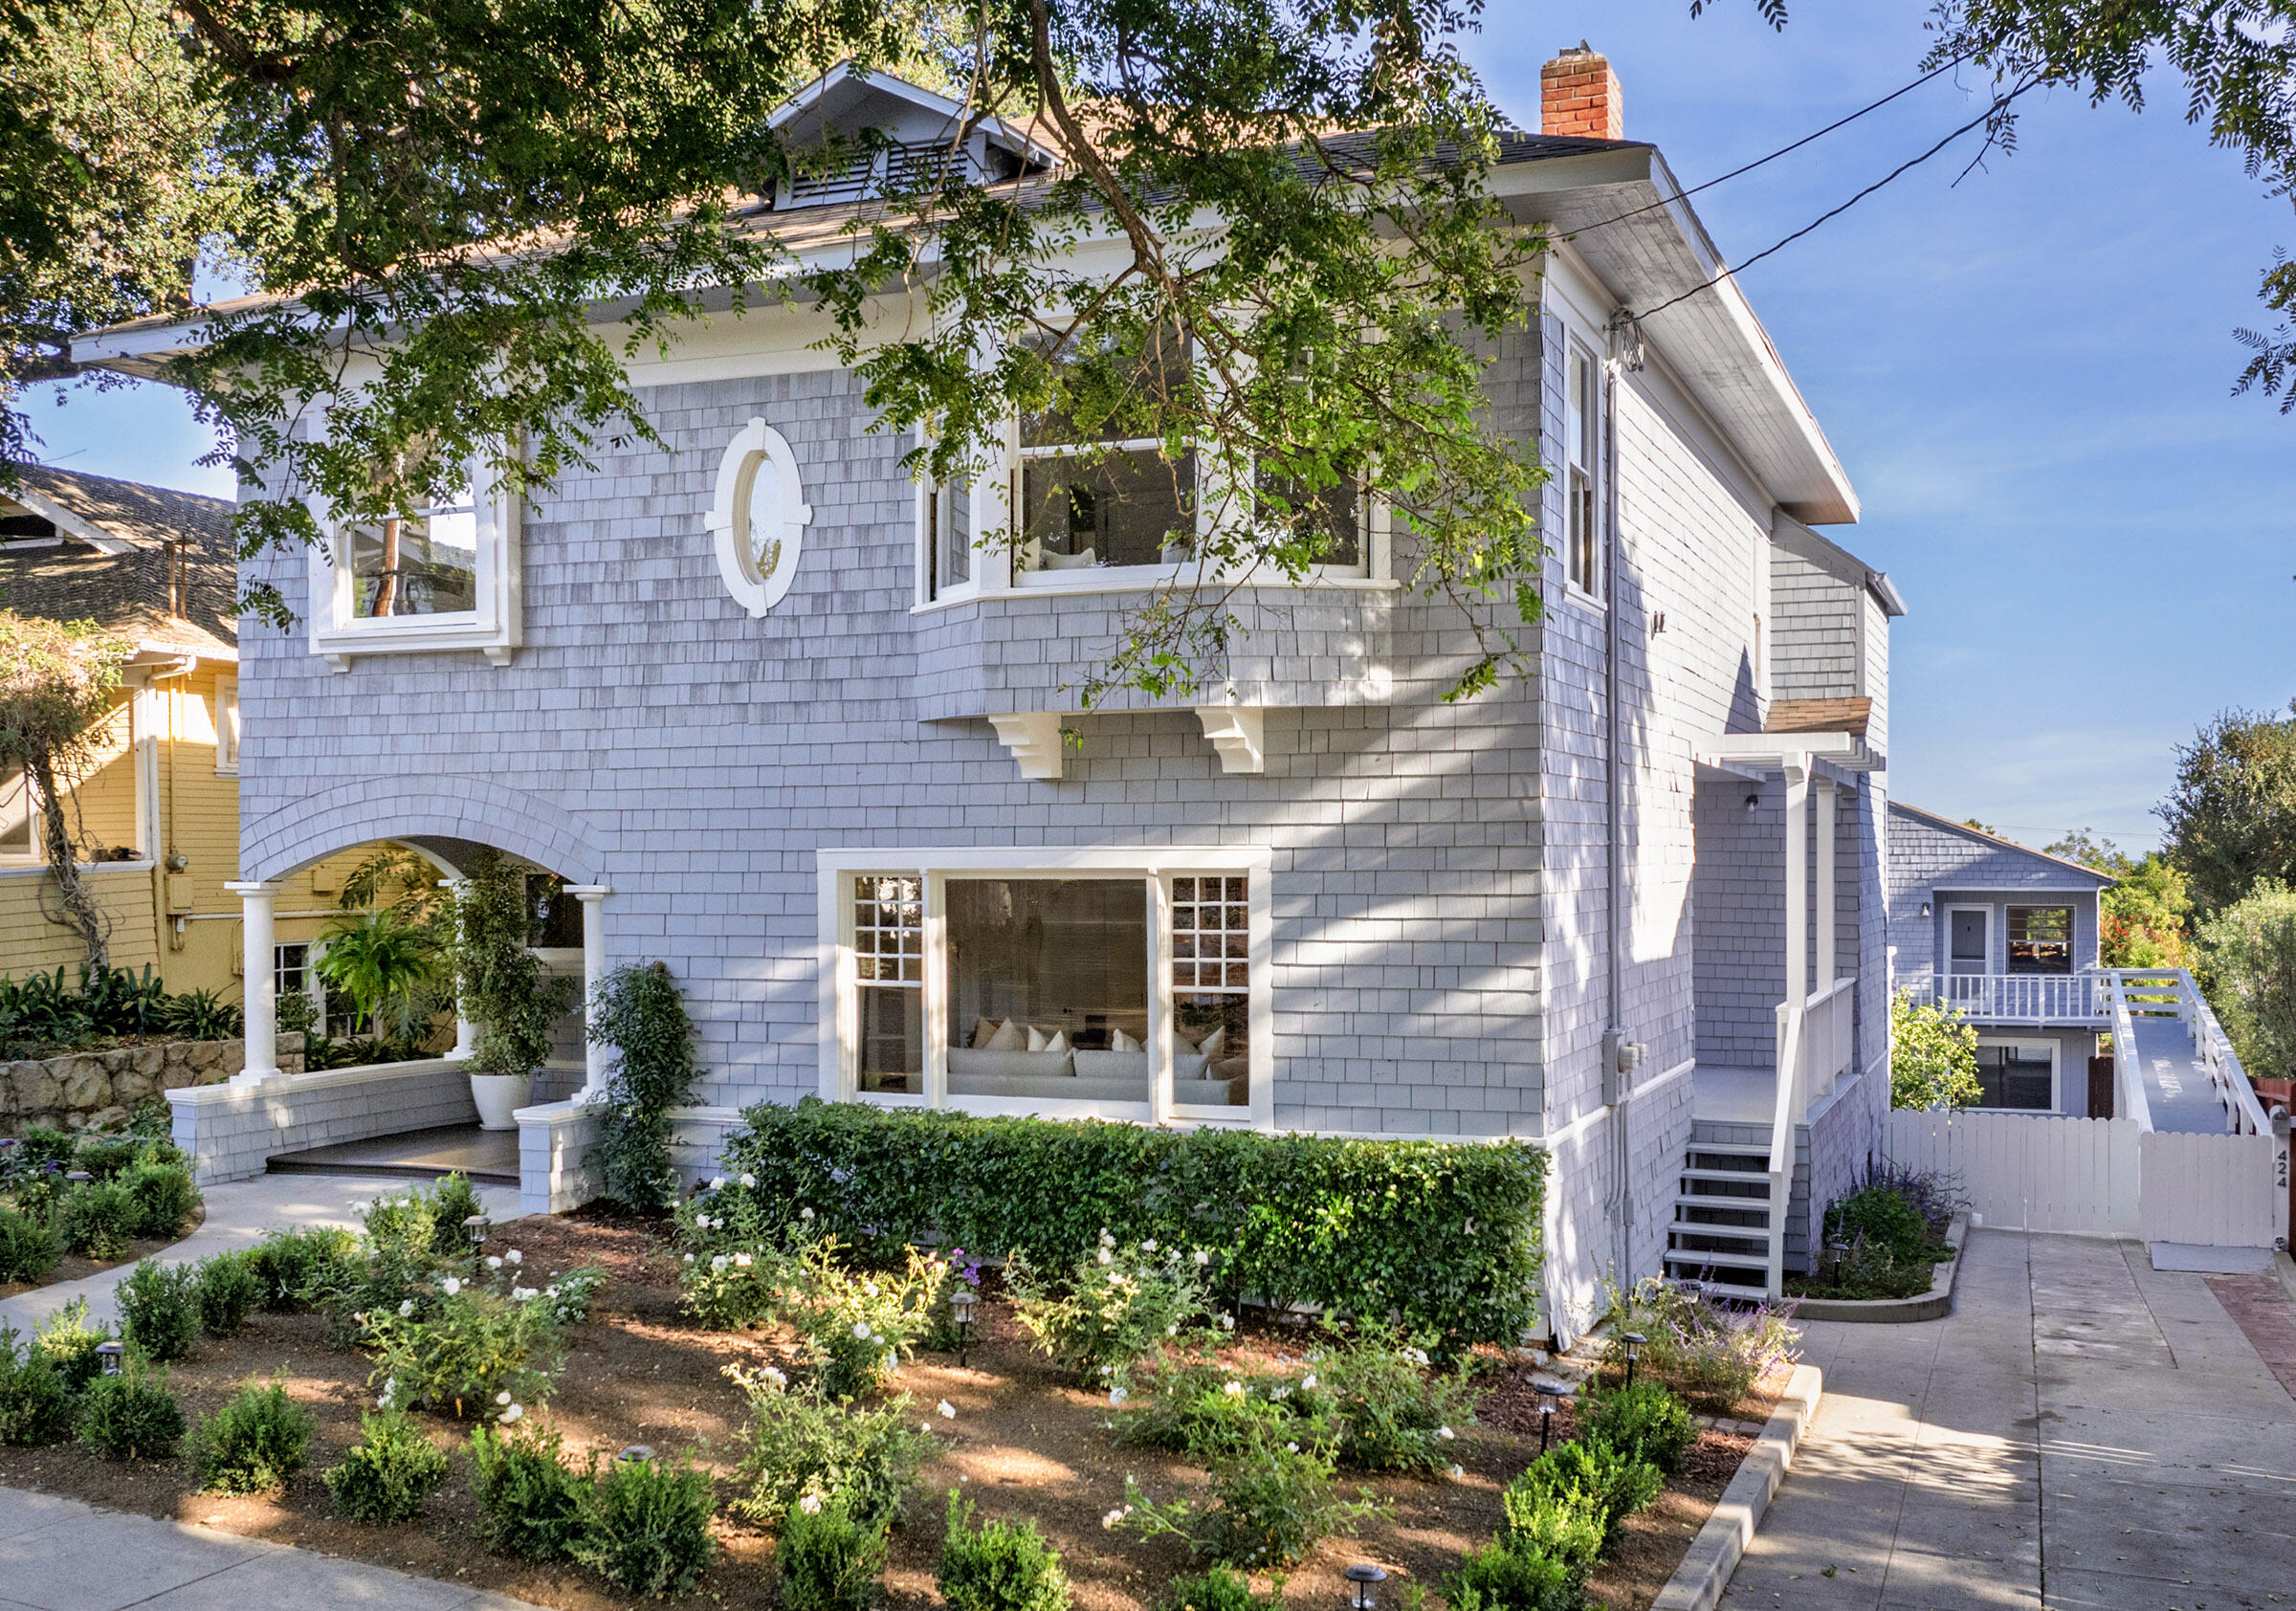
1007,1037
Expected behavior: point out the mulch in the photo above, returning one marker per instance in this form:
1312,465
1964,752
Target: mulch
1024,1445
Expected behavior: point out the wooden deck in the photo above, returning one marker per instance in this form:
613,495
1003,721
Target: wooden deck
489,1156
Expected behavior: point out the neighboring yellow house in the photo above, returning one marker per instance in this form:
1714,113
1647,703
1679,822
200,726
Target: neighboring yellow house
158,814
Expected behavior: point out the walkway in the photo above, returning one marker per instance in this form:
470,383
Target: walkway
487,1156
2177,1083
238,1215
2082,1432
59,1554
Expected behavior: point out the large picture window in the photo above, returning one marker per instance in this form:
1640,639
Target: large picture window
425,563
2020,1076
1091,982
2041,940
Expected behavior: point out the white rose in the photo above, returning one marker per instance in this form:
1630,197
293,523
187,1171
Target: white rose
514,1256
493,1262
749,1179
861,1330
805,1213
1107,1257
689,1258
948,1412
452,1285
718,1262
1235,1390
811,1504
513,1413
716,1182
503,1397
1117,1395
405,1308
741,1261
1202,1257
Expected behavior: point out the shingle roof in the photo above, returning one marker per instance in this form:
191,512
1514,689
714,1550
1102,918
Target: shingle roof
127,591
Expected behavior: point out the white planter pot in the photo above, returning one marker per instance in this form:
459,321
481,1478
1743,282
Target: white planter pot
498,1097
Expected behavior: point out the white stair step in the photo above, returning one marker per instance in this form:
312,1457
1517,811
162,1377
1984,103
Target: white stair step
1745,1177
1720,1261
1733,1205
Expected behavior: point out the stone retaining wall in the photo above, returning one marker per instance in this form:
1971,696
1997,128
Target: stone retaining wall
96,1088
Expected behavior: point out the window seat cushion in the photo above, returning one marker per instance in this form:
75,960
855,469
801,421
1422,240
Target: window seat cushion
964,1062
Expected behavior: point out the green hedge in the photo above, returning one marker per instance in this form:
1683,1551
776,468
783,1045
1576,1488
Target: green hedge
1443,1235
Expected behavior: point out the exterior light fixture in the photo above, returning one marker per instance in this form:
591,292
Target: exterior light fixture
1363,1579
476,1228
1550,1399
1835,1254
1634,1341
960,1311
635,1454
112,1356
1753,804
1925,911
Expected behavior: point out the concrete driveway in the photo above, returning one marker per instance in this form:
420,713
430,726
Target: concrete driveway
2083,1431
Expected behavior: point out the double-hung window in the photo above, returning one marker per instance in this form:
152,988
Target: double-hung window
1090,498
1117,983
443,575
2041,940
1581,478
19,814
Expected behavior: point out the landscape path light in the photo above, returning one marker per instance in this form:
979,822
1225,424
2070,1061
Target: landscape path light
476,1227
113,1356
960,1311
1363,1579
635,1454
1550,1398
1634,1341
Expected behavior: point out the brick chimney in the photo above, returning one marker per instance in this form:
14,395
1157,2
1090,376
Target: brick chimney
1579,94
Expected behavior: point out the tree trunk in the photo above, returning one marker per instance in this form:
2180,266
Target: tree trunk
80,913
386,585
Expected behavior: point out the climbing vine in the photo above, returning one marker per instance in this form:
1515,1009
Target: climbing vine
639,1013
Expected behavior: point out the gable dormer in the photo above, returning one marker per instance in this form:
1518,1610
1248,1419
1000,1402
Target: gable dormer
858,134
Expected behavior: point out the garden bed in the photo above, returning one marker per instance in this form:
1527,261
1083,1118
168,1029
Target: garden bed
1023,1443
74,1268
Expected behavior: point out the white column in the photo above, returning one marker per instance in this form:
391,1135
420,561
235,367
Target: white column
260,1010
1797,885
466,1044
593,974
1826,897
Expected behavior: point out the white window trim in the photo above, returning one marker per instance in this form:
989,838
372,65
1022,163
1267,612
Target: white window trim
227,734
493,627
839,1007
1574,344
736,476
1946,955
32,855
2056,1052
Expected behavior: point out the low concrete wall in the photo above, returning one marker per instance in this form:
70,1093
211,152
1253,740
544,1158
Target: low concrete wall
84,1087
232,1131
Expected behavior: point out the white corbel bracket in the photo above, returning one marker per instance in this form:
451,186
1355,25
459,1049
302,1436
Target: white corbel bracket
1237,731
1033,737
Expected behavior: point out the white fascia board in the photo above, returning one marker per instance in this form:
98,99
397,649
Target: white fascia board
67,520
1835,561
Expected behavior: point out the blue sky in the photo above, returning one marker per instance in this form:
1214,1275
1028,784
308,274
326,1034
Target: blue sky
2027,374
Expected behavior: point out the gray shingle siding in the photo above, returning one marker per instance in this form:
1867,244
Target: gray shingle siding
1933,863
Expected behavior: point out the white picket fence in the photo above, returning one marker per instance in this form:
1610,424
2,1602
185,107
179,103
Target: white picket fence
2097,1177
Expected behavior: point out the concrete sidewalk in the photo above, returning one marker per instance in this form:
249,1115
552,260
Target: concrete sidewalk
59,1554
238,1216
2083,1431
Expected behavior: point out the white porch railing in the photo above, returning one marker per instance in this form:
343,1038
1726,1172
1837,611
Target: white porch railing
2170,992
1817,1042
2025,998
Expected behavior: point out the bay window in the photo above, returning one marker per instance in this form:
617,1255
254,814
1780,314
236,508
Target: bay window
1117,983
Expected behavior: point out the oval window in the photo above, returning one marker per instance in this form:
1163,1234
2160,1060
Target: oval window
758,517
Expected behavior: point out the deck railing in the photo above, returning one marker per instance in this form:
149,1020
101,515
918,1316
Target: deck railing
2024,998
1817,1042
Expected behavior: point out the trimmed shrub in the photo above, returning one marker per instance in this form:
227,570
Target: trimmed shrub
1443,1236
387,1475
102,1218
43,1144
1499,1579
1394,1412
646,1525
35,1406
1002,1566
1592,1478
802,1446
1190,1407
1216,1590
29,1245
66,1340
1273,1504
1110,1311
827,1561
467,1352
1645,1422
229,1287
257,1440
163,1195
1568,1528
287,1262
131,1416
529,1501
159,1310
105,1156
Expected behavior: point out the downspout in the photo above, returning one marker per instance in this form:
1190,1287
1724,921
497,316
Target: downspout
1617,1060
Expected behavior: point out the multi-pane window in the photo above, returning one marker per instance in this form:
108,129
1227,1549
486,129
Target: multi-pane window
948,537
2041,940
425,563
1090,496
1582,450
2016,1077
1211,987
888,971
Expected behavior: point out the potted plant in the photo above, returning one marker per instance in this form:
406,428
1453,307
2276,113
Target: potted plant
500,987
380,961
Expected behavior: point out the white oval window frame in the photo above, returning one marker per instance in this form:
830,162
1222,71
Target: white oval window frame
737,477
